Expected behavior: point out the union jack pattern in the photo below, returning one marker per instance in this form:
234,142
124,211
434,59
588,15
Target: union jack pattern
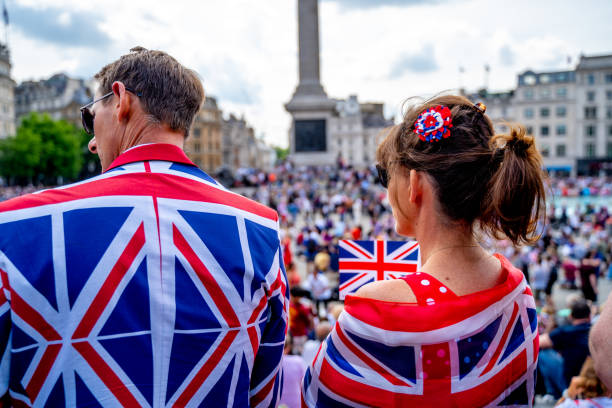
469,351
149,285
363,262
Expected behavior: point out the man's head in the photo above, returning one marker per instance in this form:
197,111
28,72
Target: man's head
580,311
150,91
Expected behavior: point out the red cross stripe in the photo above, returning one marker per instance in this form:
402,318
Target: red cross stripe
378,264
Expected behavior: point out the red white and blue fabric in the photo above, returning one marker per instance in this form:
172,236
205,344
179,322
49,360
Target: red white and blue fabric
434,124
447,350
363,262
148,286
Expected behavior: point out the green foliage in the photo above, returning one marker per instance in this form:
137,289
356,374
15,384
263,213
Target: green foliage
43,151
281,153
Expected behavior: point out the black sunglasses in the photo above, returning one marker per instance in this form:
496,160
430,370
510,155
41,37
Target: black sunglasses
87,117
383,176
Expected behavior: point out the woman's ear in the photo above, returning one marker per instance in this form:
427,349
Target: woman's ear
415,185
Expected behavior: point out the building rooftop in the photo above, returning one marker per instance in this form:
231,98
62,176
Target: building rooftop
594,62
531,78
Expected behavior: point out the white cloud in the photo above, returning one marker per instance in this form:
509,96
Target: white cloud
246,52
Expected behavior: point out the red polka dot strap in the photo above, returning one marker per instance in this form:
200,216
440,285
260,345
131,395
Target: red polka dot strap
427,289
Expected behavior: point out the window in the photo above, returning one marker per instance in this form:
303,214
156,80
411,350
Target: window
589,150
609,95
544,131
590,112
196,147
591,79
528,93
545,93
196,133
590,95
528,112
545,150
562,92
561,111
545,112
530,130
609,149
560,150
609,78
561,130
609,130
609,112
590,130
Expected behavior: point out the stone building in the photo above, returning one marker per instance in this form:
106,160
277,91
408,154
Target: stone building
594,113
59,96
7,95
568,112
203,146
239,143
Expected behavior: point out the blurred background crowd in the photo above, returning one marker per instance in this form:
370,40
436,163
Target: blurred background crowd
569,268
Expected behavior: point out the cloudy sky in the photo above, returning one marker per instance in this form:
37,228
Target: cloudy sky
246,51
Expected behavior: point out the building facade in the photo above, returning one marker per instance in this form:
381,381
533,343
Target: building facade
203,145
355,131
594,113
7,95
59,96
568,112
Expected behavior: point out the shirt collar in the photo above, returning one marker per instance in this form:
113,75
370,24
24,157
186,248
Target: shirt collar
151,151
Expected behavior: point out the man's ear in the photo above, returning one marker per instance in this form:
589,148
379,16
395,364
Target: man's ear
124,101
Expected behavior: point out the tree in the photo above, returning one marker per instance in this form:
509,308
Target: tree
281,153
43,151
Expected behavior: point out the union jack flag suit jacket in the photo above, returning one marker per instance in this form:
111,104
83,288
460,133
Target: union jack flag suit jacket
149,285
444,351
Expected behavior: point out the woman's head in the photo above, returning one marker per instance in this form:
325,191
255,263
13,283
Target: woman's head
495,180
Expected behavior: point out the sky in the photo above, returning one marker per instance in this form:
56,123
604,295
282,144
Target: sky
246,51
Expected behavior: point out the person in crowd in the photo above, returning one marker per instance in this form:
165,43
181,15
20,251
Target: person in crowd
550,362
445,171
541,274
589,272
133,288
293,371
569,270
586,390
293,276
318,284
301,320
572,340
600,344
311,347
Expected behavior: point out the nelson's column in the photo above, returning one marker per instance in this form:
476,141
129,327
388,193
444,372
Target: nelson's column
309,106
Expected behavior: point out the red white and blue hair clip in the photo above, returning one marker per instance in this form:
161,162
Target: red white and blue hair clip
434,124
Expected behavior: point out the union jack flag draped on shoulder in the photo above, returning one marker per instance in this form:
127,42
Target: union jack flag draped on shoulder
148,286
458,351
363,262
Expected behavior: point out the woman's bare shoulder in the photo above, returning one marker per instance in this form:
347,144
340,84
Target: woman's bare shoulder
393,290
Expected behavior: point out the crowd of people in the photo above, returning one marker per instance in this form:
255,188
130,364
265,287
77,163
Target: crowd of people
318,206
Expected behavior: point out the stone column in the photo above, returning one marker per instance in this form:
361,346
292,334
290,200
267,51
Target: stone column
308,35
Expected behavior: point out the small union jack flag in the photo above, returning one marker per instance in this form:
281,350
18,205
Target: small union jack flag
363,262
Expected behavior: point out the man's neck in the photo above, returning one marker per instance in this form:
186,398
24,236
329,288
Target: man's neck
153,134
576,322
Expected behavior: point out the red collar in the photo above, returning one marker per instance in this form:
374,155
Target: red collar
154,151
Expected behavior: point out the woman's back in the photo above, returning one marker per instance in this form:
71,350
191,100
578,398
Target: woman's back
442,350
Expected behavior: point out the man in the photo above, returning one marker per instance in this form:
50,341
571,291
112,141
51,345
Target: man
601,346
149,285
571,341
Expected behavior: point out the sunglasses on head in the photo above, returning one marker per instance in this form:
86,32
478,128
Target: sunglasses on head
383,176
87,117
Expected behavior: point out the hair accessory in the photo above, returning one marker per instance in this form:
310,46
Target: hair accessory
481,107
434,124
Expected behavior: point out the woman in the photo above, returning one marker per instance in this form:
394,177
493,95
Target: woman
462,331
